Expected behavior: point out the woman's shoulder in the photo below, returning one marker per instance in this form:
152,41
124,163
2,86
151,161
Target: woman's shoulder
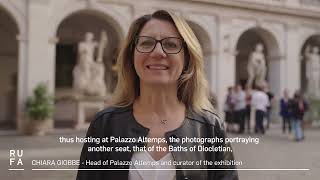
111,112
212,117
213,121
208,117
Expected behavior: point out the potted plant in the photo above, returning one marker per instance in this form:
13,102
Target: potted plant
39,108
313,113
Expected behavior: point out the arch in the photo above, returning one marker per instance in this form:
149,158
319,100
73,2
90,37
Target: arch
205,42
203,37
270,40
70,32
117,20
9,55
203,25
312,41
271,51
84,21
16,15
305,35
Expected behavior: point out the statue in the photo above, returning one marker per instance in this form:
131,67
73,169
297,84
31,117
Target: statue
313,70
88,74
257,67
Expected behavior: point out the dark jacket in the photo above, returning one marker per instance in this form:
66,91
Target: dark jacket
297,111
120,122
285,110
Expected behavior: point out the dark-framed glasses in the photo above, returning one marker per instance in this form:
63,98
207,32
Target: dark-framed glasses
170,45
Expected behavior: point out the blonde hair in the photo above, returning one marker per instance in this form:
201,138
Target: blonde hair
193,88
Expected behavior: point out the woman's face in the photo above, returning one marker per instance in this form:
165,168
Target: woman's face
157,66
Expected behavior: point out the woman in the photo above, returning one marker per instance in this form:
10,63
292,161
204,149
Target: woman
299,107
285,112
161,94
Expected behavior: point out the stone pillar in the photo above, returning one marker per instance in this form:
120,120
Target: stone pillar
212,57
22,85
41,63
277,83
293,60
277,74
225,65
52,42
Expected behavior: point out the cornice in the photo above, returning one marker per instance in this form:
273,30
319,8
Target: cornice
283,9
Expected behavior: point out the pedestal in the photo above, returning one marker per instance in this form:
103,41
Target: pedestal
82,106
72,108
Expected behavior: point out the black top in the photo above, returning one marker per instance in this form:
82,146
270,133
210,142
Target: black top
120,122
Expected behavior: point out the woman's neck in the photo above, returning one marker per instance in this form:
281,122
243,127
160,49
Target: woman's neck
158,99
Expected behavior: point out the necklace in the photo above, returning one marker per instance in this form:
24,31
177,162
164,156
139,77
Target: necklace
163,121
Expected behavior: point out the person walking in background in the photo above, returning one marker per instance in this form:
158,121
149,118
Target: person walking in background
248,93
240,107
269,107
299,107
285,112
260,103
228,109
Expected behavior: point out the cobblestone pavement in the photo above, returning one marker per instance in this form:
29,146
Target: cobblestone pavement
275,150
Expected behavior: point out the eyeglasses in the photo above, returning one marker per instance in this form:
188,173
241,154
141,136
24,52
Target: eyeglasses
170,45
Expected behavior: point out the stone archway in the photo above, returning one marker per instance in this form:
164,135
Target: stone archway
204,40
69,33
310,42
246,44
9,56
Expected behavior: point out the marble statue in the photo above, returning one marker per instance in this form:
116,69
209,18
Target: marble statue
257,67
88,74
312,57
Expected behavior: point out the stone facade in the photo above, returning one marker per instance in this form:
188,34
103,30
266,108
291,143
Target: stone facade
36,32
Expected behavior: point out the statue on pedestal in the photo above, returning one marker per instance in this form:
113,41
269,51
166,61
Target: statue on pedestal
312,57
257,67
88,74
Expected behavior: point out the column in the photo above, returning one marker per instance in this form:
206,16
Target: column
41,62
225,65
22,84
293,60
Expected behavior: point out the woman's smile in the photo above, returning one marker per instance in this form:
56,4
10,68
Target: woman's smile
157,67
